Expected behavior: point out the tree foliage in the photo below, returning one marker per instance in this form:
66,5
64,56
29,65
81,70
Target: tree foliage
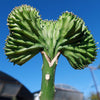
93,96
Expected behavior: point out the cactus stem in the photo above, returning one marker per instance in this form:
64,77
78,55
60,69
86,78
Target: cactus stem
40,93
47,76
47,86
54,59
48,59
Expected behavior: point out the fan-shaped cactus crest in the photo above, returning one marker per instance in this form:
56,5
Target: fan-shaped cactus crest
29,35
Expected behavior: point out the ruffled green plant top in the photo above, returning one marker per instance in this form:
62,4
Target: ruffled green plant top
29,35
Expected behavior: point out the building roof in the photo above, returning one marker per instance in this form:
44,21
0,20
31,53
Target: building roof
7,78
66,87
10,87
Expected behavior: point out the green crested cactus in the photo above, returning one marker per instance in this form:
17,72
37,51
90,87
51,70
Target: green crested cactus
29,35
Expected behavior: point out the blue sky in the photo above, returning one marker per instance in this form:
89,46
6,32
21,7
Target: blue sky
30,73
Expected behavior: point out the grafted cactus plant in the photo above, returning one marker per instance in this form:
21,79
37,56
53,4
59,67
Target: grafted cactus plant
29,35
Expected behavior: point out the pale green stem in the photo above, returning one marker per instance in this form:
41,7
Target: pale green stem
48,76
